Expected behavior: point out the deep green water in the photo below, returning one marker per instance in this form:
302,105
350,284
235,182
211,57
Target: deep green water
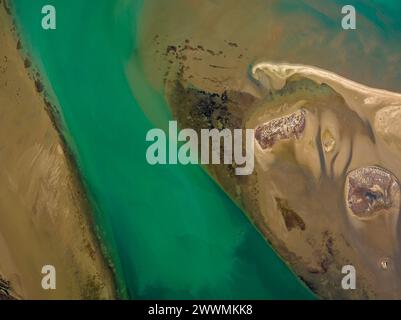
170,231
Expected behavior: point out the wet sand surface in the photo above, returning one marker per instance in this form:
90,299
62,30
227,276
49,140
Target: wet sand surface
298,196
44,214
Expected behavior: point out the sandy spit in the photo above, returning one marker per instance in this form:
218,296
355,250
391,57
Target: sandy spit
44,214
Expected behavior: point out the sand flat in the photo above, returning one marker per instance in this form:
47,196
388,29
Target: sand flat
44,215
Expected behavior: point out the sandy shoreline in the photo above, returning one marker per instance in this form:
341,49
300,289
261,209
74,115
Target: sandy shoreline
44,214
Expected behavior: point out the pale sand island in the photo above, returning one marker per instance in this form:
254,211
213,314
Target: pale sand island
44,214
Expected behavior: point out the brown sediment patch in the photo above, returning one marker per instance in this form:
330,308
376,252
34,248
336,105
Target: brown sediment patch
27,63
45,217
5,289
232,44
19,44
39,85
291,218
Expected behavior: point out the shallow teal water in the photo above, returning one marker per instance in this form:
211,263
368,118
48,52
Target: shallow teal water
170,231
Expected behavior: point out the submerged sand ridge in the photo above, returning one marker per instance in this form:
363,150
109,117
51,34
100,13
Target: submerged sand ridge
298,195
44,214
